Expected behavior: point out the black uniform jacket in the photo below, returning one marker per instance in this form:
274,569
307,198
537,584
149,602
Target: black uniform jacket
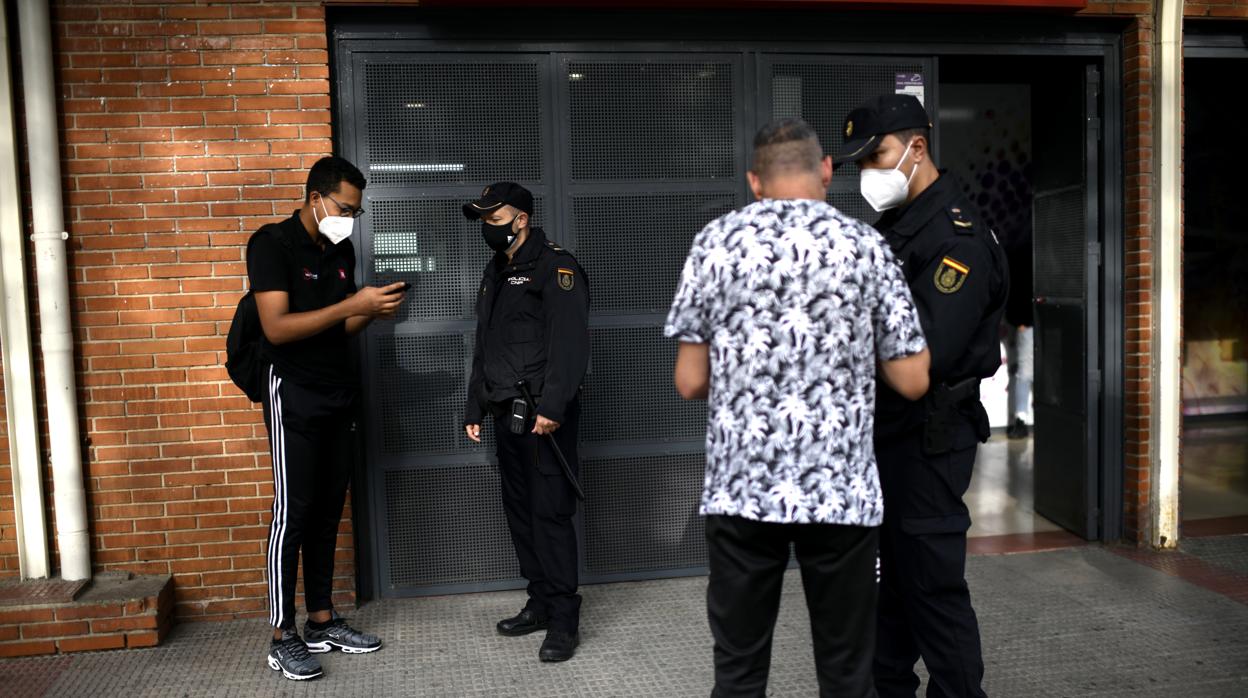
532,324
958,275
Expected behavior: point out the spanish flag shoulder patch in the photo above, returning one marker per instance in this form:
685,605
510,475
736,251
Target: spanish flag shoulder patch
950,275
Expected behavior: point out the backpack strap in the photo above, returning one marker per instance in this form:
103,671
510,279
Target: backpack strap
274,229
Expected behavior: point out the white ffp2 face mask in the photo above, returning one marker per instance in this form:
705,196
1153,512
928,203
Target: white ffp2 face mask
336,228
885,189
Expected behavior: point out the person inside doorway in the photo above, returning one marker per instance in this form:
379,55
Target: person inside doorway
1019,334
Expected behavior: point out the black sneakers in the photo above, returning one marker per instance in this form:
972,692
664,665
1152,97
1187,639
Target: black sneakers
1017,430
291,657
337,634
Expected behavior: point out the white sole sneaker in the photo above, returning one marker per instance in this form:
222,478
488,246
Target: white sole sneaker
330,645
276,666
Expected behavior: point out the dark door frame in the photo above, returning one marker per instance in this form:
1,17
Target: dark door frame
1209,39
962,34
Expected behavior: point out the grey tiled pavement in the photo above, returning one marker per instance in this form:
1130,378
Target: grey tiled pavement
1075,622
1230,552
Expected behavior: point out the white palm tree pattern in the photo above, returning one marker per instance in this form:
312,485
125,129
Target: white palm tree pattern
797,301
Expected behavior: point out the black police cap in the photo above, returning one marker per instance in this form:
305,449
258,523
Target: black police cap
500,194
878,117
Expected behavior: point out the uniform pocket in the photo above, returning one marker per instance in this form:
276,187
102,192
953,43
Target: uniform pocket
519,332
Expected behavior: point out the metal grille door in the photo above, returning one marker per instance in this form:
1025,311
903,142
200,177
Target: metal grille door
629,154
1067,276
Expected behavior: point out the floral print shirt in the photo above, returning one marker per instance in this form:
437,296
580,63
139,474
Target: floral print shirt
797,302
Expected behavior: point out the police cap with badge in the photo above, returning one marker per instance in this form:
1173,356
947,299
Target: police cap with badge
867,125
497,195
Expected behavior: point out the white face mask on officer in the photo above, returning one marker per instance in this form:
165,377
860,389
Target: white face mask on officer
885,189
336,228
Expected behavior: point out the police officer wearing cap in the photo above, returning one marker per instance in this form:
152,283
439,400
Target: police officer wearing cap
959,278
532,325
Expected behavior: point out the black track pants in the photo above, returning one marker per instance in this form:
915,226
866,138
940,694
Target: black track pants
311,442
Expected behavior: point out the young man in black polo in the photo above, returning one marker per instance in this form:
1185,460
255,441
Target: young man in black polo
302,272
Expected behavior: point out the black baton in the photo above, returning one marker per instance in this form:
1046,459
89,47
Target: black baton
523,387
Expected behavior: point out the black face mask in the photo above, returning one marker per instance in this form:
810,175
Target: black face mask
498,237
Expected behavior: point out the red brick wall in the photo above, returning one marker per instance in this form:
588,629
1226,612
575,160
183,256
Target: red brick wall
184,127
8,527
1138,275
1216,8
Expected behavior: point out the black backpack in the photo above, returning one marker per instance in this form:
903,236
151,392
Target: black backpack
243,356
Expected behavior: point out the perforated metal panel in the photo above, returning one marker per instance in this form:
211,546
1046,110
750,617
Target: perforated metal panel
453,121
629,396
633,247
823,93
429,244
446,526
1061,253
637,119
629,155
421,384
642,513
851,203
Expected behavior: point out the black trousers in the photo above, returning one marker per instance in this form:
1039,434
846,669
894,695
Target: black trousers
747,561
540,503
925,605
311,442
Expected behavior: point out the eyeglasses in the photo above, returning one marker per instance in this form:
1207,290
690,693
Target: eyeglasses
347,210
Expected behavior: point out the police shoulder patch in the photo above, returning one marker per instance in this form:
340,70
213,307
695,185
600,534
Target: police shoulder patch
960,220
950,275
567,278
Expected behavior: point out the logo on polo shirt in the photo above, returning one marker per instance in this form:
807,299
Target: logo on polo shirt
308,275
342,274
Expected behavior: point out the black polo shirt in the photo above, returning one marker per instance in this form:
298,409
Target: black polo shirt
283,257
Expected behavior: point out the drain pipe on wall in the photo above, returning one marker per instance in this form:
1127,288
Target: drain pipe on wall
52,278
1167,414
19,373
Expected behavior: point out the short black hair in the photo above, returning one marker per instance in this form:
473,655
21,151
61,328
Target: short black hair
909,134
786,146
329,173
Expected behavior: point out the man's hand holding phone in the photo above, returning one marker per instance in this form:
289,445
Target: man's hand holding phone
381,301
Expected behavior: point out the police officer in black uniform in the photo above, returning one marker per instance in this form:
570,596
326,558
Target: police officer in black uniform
532,325
925,450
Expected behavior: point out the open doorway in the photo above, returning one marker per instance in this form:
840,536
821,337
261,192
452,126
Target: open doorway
1215,304
1014,130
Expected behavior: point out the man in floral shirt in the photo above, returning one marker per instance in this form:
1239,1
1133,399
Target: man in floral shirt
784,312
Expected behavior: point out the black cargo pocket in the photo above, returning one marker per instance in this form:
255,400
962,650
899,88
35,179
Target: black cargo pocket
966,432
544,457
523,343
948,478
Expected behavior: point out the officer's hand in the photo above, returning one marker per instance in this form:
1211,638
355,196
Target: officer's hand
545,426
379,301
473,431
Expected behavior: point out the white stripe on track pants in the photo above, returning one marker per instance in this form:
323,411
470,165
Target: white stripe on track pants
311,441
